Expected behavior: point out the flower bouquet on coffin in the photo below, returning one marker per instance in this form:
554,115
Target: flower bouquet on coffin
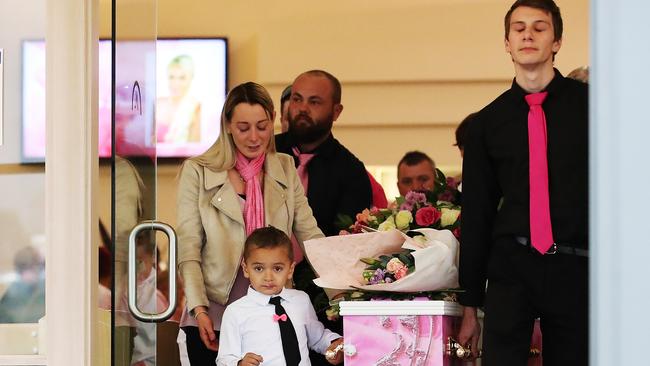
386,261
438,209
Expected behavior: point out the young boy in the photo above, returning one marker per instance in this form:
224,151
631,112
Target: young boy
259,329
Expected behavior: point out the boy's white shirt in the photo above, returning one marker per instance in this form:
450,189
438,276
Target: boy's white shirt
248,326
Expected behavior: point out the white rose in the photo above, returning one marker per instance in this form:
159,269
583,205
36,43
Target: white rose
403,219
388,224
449,216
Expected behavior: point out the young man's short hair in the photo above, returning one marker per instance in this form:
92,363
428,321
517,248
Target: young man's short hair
548,6
267,237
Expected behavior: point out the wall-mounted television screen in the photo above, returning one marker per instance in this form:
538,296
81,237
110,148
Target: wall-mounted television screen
191,85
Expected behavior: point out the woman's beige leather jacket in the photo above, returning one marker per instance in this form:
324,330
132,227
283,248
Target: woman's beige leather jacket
210,224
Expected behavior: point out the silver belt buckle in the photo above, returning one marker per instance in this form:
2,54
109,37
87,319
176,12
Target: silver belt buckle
552,249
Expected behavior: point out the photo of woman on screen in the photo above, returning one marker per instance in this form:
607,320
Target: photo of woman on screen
178,115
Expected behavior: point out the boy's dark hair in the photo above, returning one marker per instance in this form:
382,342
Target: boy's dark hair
548,6
461,130
267,237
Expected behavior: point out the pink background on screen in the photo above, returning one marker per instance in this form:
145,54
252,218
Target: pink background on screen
209,87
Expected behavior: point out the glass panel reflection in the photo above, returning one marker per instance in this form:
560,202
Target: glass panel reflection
22,263
22,197
134,180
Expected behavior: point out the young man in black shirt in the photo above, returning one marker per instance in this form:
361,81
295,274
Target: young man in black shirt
516,186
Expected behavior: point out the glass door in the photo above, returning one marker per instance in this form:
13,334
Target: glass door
22,178
144,294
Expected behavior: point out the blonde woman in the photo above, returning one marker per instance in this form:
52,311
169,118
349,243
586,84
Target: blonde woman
239,184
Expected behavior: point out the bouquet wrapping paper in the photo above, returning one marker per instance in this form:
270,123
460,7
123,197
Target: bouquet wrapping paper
336,260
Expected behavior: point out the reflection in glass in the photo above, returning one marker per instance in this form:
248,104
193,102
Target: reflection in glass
24,299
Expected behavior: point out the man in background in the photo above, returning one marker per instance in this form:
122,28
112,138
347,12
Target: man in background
461,132
416,171
335,181
581,74
284,108
24,300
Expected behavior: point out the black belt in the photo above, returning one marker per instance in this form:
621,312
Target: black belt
555,248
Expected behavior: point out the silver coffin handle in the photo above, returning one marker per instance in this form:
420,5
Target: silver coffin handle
133,305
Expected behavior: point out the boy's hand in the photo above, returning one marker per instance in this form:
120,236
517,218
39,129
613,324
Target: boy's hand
250,359
334,353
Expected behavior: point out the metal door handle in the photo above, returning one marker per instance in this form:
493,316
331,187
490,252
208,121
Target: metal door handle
132,276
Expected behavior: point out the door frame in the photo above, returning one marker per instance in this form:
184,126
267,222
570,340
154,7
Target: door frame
71,172
71,168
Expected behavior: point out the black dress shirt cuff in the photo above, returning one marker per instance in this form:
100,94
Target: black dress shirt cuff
472,297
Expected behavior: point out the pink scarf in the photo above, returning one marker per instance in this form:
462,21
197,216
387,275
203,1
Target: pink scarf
254,206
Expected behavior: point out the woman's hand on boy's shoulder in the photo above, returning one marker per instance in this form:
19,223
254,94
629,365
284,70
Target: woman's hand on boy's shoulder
250,359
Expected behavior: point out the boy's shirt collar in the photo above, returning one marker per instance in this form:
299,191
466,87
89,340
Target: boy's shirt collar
263,299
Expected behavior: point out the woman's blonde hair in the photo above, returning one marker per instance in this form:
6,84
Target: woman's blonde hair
221,155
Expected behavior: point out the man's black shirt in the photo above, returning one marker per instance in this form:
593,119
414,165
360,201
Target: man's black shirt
338,182
496,178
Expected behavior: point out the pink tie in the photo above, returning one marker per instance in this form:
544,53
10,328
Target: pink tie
303,160
541,233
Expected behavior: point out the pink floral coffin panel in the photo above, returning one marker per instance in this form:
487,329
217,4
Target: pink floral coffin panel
396,333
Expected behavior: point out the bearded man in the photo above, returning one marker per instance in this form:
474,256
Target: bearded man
335,181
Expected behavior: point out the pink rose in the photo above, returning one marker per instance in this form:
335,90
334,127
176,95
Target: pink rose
394,265
401,273
427,216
